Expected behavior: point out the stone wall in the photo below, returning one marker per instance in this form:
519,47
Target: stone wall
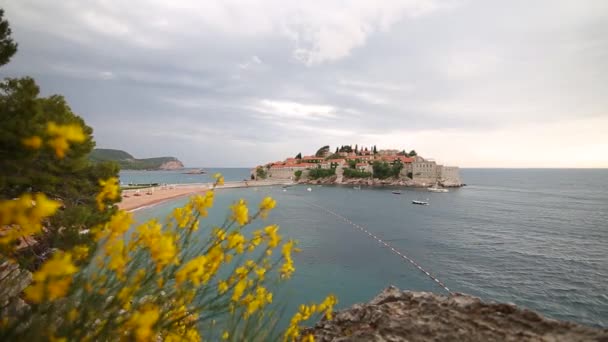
450,176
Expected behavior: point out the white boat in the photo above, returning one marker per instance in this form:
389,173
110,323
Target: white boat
420,202
309,189
357,187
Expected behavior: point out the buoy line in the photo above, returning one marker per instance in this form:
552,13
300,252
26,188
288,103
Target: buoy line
385,244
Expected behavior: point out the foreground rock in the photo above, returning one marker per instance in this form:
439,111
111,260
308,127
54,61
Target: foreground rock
396,315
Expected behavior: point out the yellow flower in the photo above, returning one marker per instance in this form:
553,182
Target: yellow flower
225,335
23,216
273,237
63,135
236,241
202,203
260,271
219,234
239,289
183,216
115,250
162,246
72,315
328,305
118,225
80,252
143,321
219,179
32,142
109,191
308,338
267,204
287,268
240,212
53,279
202,268
222,287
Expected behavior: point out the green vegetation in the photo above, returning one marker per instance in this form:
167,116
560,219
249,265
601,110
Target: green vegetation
384,170
7,46
127,161
298,175
321,173
334,156
346,148
299,155
322,151
413,153
71,179
261,173
353,173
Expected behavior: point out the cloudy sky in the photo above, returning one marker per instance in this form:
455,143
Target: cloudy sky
237,83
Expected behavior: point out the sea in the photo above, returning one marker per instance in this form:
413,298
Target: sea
537,238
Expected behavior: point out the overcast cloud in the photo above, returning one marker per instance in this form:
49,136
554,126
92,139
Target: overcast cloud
238,83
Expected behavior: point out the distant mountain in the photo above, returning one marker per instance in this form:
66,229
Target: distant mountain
128,162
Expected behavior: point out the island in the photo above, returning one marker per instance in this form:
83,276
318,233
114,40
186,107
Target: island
128,162
361,166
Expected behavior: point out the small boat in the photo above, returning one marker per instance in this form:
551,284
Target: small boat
420,202
309,189
396,192
357,187
284,189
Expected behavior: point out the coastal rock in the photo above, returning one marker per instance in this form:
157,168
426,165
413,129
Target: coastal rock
396,315
13,280
171,165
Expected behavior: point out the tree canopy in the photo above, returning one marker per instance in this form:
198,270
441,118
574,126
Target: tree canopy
322,151
7,46
73,180
299,155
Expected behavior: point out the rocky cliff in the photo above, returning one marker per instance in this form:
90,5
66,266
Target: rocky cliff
128,162
396,315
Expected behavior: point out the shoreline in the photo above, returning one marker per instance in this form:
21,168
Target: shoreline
149,197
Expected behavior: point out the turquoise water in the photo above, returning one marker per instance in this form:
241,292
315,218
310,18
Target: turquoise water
179,176
537,238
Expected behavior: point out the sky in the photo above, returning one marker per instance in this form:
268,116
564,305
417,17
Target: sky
229,83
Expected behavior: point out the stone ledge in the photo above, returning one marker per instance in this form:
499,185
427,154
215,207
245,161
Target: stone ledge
396,315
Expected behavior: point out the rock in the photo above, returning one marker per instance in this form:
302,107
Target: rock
396,315
171,165
13,280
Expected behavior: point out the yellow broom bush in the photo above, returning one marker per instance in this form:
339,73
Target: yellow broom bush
179,280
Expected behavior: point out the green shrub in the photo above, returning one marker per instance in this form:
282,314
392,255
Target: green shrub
353,173
321,173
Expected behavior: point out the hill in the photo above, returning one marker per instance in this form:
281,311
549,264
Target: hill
128,162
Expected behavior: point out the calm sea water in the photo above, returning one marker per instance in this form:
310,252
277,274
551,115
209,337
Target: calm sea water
537,238
180,177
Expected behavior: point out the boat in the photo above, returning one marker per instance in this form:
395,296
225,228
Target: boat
357,187
436,188
397,192
309,189
420,202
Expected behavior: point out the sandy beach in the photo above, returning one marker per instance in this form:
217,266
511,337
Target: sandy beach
140,198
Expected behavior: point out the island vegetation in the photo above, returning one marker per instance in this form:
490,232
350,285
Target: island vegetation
361,165
127,162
